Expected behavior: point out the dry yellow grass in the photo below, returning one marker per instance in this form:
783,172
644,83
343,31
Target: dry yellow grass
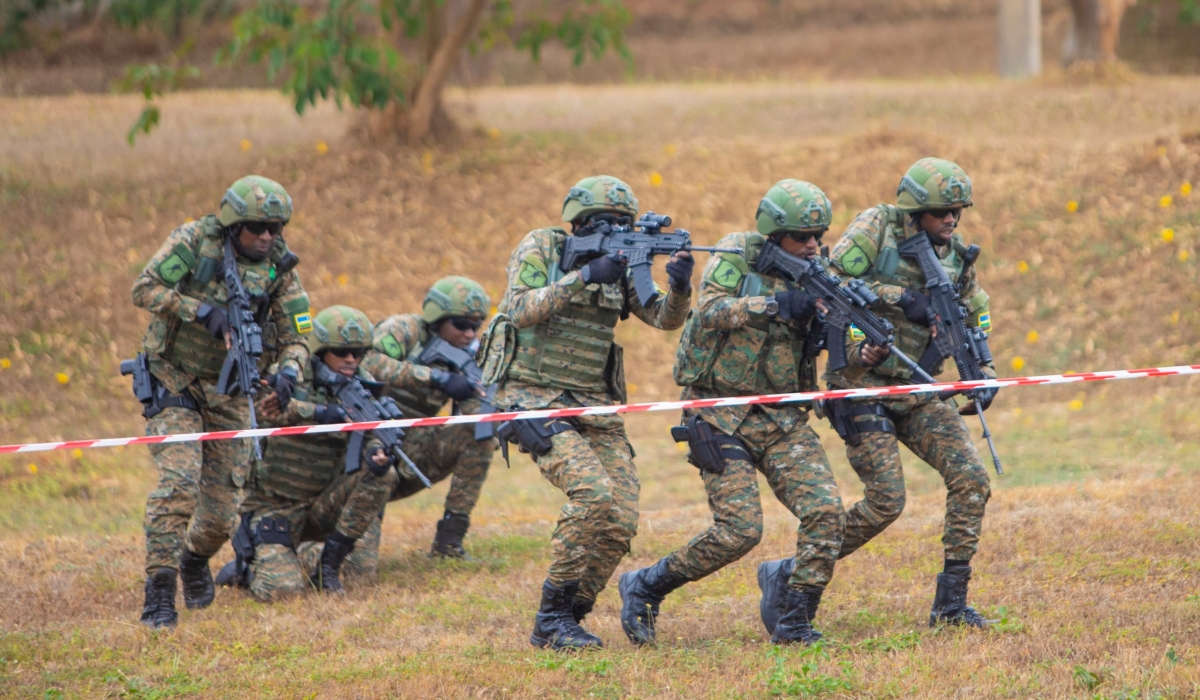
1090,543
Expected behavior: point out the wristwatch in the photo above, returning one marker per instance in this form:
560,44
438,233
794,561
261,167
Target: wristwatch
772,307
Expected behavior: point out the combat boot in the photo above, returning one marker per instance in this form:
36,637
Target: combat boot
555,626
337,548
581,608
159,609
950,601
230,577
795,627
642,591
197,580
448,542
773,581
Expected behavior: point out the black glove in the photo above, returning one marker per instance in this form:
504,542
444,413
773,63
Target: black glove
796,305
328,415
680,272
915,306
985,397
455,385
605,270
283,384
214,319
380,469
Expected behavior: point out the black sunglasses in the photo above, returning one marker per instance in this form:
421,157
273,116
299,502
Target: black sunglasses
805,236
943,213
258,228
356,353
463,324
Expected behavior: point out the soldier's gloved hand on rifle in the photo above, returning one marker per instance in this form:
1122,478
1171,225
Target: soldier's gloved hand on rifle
452,384
985,397
679,269
605,270
380,462
916,308
215,321
797,305
326,414
284,384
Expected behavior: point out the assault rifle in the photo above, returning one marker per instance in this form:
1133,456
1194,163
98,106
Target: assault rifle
239,374
952,337
849,304
637,245
363,402
437,350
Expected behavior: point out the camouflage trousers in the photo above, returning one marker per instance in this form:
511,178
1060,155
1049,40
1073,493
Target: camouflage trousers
348,507
799,474
199,483
449,451
934,431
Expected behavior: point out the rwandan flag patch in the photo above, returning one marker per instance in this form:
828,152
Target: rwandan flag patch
985,322
303,323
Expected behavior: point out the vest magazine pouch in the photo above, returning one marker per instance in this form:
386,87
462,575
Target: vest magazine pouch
497,348
696,351
614,373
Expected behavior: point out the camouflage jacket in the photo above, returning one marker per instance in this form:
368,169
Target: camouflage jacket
183,274
394,360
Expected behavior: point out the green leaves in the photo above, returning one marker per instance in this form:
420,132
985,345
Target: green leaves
155,80
594,28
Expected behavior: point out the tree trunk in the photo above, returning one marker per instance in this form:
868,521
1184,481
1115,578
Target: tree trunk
1094,30
1020,38
429,92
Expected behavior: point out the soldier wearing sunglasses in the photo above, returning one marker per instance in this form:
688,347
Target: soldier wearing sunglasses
454,308
749,335
190,513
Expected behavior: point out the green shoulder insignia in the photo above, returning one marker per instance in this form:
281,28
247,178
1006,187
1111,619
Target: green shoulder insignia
298,308
177,265
726,274
533,273
854,261
391,346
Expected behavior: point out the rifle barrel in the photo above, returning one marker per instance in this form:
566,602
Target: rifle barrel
711,249
987,434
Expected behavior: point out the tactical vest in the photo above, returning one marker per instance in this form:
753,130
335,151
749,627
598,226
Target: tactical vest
302,467
572,349
890,268
419,402
189,346
765,356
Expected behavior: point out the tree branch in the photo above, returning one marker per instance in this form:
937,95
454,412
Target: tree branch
430,91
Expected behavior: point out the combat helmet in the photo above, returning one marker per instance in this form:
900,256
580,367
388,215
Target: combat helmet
339,327
793,205
455,296
933,183
602,193
255,198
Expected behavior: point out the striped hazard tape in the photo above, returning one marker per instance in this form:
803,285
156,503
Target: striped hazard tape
804,396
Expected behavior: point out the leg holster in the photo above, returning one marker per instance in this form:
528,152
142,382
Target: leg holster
531,435
153,395
245,540
841,414
708,448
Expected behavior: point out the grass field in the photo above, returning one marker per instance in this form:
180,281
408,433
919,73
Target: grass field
1091,542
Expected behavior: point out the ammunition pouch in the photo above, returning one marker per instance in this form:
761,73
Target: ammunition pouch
709,449
531,435
841,414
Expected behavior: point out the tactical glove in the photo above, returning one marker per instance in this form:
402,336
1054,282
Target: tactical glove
605,270
214,319
328,415
796,305
283,384
680,272
455,385
915,306
985,397
380,469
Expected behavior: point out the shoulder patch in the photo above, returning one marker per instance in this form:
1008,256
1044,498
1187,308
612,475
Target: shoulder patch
854,261
298,308
533,272
179,263
391,346
726,275
984,322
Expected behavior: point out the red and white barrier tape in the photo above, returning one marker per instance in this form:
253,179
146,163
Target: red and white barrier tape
623,408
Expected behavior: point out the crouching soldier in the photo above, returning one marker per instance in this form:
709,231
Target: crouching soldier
310,487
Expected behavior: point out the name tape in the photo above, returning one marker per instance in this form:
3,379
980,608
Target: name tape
797,397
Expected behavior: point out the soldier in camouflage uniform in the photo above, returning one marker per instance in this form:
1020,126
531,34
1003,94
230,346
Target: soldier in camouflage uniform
931,198
749,335
300,491
454,309
552,347
194,508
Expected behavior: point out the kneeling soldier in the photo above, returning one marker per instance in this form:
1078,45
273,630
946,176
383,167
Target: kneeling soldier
300,491
750,335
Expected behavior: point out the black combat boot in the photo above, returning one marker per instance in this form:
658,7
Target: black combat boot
773,581
950,602
159,608
230,577
337,548
198,588
642,591
795,627
448,542
581,608
555,626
